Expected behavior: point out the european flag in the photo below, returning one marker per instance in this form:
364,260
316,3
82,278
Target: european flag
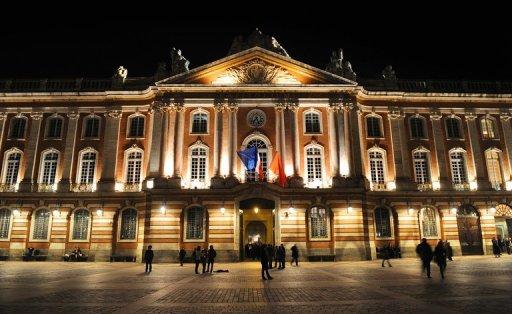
249,157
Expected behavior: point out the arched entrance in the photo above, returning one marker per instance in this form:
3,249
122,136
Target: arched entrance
503,220
470,234
257,223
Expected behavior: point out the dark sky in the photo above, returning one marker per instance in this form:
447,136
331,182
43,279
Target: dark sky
436,44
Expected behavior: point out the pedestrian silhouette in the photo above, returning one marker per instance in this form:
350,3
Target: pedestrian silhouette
211,259
148,257
440,257
449,250
295,255
264,259
496,248
182,255
386,253
425,252
197,257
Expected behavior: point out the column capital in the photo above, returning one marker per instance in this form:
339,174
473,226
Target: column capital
114,114
470,116
3,115
36,115
395,113
73,115
280,107
505,116
435,114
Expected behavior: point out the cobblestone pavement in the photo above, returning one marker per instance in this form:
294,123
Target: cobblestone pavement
482,283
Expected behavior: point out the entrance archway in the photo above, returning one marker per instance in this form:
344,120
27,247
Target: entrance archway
503,220
470,234
257,223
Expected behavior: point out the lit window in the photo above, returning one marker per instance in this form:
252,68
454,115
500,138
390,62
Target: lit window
195,223
49,167
487,125
492,158
136,126
92,127
319,222
200,123
5,223
128,224
458,167
252,175
11,167
198,162
373,126
41,224
428,222
17,130
314,166
312,121
453,129
133,166
421,167
87,167
54,127
81,224
417,128
377,169
382,223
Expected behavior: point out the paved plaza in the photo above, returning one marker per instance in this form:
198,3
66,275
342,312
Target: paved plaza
482,283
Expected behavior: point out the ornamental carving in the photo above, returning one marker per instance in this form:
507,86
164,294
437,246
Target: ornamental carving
114,114
256,118
73,115
256,72
36,115
3,115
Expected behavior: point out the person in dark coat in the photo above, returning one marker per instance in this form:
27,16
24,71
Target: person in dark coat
449,250
281,256
270,254
424,250
386,253
507,244
246,251
211,259
295,255
197,257
264,259
204,258
496,248
148,257
182,255
440,257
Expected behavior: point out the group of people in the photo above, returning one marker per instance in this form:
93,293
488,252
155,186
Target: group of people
206,257
440,254
501,246
269,253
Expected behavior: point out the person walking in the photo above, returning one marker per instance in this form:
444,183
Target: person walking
211,259
424,250
148,257
496,248
295,255
264,259
507,244
386,253
440,257
449,250
197,257
182,255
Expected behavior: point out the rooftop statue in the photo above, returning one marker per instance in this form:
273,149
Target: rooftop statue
339,66
179,64
121,73
256,39
388,73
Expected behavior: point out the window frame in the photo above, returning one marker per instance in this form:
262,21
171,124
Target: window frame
381,126
13,150
199,184
48,125
185,223
437,222
84,127
129,126
268,151
465,158
120,226
79,165
459,126
72,226
200,111
22,117
500,164
328,213
494,128
41,165
391,223
428,165
32,225
384,164
304,122
125,165
423,127
322,164
9,227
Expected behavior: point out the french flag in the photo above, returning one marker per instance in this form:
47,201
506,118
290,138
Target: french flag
259,169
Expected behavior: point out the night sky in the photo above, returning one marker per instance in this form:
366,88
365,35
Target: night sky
434,45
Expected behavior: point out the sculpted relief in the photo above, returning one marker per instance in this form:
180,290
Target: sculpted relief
256,72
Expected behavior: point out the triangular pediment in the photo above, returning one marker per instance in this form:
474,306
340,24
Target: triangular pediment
256,66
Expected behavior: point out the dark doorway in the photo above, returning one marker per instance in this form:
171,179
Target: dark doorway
470,234
257,224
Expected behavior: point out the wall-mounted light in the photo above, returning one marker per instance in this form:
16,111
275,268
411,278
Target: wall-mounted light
349,209
162,209
241,211
150,184
222,210
453,210
256,210
492,210
508,185
473,185
410,211
16,212
99,212
56,213
436,185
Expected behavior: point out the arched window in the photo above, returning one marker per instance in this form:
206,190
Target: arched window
54,127
91,127
319,223
312,121
128,224
199,122
421,166
81,218
49,163
458,167
11,167
5,223
503,210
87,166
377,161
41,224
195,218
417,125
453,129
428,222
382,223
18,127
136,126
488,129
198,165
373,126
133,158
314,160
492,159
263,152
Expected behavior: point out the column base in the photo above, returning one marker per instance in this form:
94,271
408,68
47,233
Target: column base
25,186
405,184
296,181
346,182
174,182
64,185
483,185
219,182
107,186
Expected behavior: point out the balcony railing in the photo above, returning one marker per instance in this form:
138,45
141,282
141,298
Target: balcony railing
5,187
461,186
379,186
131,187
42,187
424,186
83,187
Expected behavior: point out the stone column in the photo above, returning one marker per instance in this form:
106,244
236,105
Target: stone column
109,163
171,139
3,117
440,151
478,160
233,129
356,145
333,142
400,150
156,149
65,183
26,185
507,137
178,142
217,136
279,111
295,140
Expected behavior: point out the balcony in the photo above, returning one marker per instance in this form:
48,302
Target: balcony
5,187
379,186
131,187
43,187
425,186
80,187
461,186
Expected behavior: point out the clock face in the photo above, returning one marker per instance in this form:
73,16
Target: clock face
256,118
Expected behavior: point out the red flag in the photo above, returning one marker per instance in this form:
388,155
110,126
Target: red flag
276,166
259,169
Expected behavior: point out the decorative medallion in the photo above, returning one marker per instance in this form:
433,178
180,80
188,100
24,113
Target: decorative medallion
256,118
256,72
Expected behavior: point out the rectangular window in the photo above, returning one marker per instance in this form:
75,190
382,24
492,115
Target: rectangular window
200,123
453,128
458,168
421,168
49,168
137,126
18,128
312,123
92,127
13,167
195,218
373,127
417,128
54,128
